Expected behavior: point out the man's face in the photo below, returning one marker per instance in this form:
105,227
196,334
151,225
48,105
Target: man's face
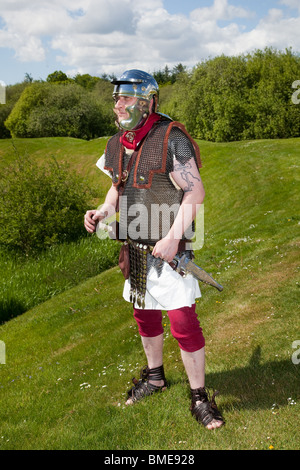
121,103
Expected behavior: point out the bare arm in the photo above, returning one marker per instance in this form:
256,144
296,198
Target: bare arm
187,177
107,209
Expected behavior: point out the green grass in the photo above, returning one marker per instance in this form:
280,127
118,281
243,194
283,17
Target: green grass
27,281
81,155
69,360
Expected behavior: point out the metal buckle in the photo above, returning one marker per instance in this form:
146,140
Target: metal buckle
124,176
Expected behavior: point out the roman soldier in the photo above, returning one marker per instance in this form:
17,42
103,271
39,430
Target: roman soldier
156,187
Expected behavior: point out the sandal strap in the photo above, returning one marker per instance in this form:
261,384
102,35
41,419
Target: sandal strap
205,408
216,412
199,394
157,373
143,387
203,413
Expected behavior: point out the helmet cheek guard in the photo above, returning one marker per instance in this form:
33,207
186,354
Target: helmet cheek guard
141,85
138,114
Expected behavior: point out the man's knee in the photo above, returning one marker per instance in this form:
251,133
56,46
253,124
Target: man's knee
149,322
185,328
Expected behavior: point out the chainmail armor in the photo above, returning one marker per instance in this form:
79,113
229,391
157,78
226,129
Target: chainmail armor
150,200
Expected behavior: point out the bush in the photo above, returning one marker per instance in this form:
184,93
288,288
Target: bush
5,110
13,93
41,205
58,110
234,98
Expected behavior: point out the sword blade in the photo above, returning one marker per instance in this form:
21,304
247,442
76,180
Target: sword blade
189,266
184,266
202,275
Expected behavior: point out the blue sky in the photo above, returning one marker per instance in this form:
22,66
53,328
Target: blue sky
260,7
109,36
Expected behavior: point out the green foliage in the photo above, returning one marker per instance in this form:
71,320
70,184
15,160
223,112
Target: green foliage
31,97
5,110
167,76
56,109
40,205
221,99
13,93
86,81
243,97
58,77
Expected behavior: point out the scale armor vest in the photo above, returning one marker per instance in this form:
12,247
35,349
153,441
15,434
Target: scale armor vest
150,200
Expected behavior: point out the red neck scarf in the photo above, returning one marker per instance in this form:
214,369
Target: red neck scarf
131,139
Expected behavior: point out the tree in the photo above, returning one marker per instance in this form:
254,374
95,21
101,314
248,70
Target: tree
167,76
53,109
86,81
17,121
28,78
13,93
243,97
58,77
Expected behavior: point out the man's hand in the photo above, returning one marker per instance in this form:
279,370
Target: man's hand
166,249
91,219
94,216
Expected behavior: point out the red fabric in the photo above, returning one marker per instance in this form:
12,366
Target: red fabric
130,139
149,322
185,326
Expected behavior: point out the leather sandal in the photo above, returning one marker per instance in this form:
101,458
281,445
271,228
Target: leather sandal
206,411
143,387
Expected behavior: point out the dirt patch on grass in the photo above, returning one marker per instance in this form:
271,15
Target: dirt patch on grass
253,304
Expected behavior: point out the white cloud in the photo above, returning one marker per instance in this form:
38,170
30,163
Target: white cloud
291,4
220,10
27,48
101,19
280,31
161,25
108,36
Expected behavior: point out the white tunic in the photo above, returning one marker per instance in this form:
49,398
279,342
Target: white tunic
168,291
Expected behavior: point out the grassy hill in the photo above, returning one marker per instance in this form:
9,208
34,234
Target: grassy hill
81,155
70,359
26,281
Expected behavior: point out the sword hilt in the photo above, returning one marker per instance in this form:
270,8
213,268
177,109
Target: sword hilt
180,265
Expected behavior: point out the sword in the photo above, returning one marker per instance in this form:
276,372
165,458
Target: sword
183,265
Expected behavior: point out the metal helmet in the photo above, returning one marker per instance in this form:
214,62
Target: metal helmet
140,85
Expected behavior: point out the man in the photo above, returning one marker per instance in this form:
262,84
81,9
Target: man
156,187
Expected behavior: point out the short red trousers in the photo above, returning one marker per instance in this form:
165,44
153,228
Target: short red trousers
185,326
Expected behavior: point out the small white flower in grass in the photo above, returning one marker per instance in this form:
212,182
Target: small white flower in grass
84,385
